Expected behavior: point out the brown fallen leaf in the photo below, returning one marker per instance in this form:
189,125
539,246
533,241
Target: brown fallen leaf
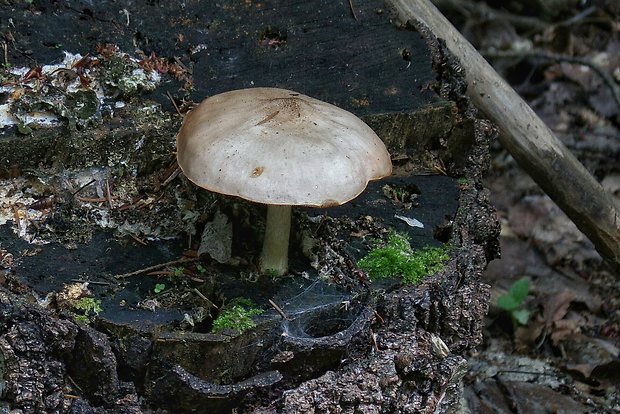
556,306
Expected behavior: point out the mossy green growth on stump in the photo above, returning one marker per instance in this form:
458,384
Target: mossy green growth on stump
85,308
236,316
396,258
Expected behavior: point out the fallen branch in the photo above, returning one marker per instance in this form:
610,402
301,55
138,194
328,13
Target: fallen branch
555,57
531,143
467,8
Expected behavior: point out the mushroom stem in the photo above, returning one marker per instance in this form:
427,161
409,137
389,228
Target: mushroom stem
274,257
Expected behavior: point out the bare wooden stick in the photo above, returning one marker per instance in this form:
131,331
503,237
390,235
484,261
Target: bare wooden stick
279,310
531,143
154,267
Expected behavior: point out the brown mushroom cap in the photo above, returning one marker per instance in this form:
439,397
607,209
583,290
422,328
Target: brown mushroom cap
275,146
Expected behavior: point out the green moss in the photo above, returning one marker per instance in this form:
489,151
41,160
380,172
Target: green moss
236,316
85,307
396,258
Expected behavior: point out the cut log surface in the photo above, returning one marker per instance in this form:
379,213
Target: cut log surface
319,48
364,64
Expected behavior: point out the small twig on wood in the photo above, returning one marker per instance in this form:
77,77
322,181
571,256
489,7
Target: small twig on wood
174,103
137,239
373,337
379,317
5,53
206,299
268,118
75,384
352,9
174,174
606,77
155,267
108,195
90,282
18,222
279,310
92,200
83,187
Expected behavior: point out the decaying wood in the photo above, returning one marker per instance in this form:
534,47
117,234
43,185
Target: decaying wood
533,145
348,352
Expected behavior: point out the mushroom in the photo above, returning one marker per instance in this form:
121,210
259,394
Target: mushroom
282,149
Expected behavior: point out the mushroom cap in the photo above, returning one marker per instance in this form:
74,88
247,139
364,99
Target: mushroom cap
276,146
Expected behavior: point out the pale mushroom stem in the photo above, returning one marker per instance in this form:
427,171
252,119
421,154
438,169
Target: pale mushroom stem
274,257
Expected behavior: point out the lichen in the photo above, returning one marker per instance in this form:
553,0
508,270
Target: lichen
122,76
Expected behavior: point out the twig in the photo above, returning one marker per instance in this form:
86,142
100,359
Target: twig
154,267
108,195
137,239
75,384
172,176
206,299
379,316
90,282
468,8
92,200
83,187
18,222
278,309
160,273
516,371
72,396
352,10
5,53
578,17
179,62
174,103
606,77
373,337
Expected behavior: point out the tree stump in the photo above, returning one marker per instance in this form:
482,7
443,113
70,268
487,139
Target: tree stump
87,162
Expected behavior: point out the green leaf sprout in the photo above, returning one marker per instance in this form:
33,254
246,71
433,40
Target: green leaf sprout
512,302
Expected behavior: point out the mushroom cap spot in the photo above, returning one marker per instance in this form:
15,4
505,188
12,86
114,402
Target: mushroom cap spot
308,151
257,171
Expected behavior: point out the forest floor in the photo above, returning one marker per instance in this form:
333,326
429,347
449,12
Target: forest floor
552,344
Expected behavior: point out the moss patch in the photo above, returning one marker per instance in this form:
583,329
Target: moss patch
396,258
85,308
237,316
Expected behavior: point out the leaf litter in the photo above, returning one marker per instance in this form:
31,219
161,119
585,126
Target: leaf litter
564,61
